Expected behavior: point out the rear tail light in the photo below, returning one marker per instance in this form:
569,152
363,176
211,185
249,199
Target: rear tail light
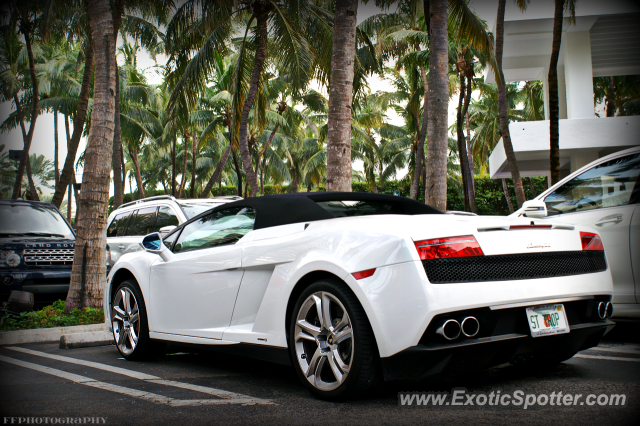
591,241
447,248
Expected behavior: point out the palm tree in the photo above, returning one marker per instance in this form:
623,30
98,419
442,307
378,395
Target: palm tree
282,24
87,283
341,96
502,99
78,22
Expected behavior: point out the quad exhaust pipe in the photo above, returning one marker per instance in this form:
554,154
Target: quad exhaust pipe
451,329
605,310
470,326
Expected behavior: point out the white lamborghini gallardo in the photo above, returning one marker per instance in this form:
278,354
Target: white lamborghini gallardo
354,288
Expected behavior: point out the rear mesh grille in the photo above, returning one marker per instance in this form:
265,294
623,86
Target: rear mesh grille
514,266
39,257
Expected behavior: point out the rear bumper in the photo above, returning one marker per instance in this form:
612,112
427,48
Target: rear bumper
430,359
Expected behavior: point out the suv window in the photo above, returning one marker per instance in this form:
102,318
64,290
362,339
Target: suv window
32,219
118,225
216,229
166,217
143,222
608,184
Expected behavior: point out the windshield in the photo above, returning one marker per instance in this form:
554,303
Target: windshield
194,209
32,220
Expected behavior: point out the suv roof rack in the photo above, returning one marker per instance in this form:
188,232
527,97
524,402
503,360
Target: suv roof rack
144,200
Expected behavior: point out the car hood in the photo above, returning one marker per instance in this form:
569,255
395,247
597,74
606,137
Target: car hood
13,243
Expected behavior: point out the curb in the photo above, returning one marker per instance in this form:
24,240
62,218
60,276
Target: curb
53,334
86,340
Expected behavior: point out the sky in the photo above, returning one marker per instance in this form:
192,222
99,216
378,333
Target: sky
43,138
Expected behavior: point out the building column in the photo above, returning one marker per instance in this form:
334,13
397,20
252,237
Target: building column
578,74
545,90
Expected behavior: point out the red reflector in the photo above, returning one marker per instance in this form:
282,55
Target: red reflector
446,248
364,274
591,241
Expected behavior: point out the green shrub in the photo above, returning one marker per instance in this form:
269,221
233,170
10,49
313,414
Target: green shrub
52,316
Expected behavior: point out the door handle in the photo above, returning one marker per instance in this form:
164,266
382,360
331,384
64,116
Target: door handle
121,246
610,219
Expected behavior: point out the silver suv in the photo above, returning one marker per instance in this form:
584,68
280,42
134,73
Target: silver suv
129,223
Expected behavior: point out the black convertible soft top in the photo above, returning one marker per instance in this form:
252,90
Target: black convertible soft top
275,210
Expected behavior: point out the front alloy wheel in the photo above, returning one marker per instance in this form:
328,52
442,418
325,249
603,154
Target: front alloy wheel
125,320
324,341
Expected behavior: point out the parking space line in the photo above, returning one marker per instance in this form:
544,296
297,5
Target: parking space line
608,358
226,396
105,367
627,349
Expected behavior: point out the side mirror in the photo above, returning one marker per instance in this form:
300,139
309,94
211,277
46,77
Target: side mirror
167,229
153,244
534,208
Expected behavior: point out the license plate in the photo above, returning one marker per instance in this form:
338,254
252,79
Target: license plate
547,320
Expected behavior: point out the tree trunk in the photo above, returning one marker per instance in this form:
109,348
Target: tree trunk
118,192
421,137
436,188
611,104
77,197
32,187
124,175
174,165
264,164
69,200
258,65
194,149
88,276
470,153
238,173
55,147
502,105
534,193
25,29
341,96
183,181
462,144
134,157
506,195
78,126
554,101
217,173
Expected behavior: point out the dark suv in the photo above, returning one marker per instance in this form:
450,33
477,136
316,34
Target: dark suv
36,250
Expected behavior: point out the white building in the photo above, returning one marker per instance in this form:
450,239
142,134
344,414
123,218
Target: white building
605,41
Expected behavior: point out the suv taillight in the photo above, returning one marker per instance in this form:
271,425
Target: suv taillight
450,247
591,241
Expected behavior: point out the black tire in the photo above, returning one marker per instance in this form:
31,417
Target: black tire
144,347
364,369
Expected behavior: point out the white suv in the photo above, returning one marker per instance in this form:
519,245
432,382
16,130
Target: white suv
605,196
129,223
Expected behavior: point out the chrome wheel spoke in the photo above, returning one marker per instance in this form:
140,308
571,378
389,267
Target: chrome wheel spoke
342,335
318,302
126,301
331,359
134,318
121,337
318,371
326,312
133,338
338,359
312,364
309,328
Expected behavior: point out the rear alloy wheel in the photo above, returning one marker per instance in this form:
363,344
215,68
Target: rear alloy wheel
332,342
129,322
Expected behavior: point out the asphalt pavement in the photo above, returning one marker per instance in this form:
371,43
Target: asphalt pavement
42,384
